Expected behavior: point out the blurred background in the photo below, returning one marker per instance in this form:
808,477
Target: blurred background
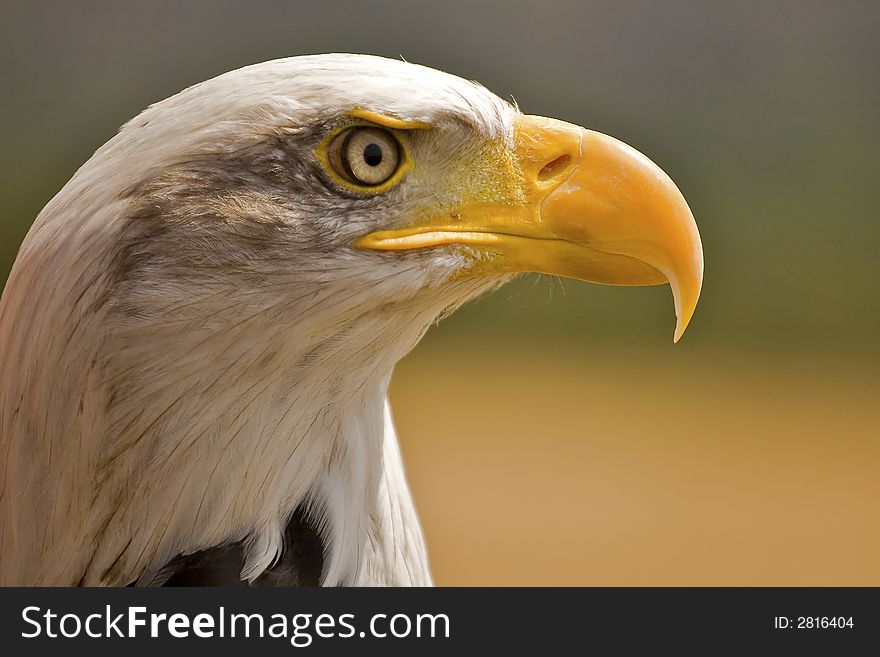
553,433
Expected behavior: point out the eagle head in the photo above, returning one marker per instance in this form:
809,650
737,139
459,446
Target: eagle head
203,322
370,185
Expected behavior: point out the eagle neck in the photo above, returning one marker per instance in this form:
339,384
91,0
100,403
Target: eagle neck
371,526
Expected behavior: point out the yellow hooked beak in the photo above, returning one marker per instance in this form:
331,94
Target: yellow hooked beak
591,208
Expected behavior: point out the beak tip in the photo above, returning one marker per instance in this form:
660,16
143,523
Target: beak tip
685,298
680,327
679,331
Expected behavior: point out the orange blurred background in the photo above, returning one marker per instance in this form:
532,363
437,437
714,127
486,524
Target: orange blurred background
612,467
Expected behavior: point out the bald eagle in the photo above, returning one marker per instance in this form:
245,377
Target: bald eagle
198,333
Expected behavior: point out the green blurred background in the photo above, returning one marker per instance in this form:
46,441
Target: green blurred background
553,433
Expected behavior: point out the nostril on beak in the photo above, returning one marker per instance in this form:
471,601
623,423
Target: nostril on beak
553,168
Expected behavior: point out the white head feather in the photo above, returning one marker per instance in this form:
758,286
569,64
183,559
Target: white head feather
166,388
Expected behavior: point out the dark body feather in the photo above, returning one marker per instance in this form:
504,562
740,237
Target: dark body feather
300,562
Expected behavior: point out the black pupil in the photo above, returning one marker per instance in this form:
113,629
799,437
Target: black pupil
373,155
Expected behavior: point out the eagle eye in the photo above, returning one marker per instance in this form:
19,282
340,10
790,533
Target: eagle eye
365,156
